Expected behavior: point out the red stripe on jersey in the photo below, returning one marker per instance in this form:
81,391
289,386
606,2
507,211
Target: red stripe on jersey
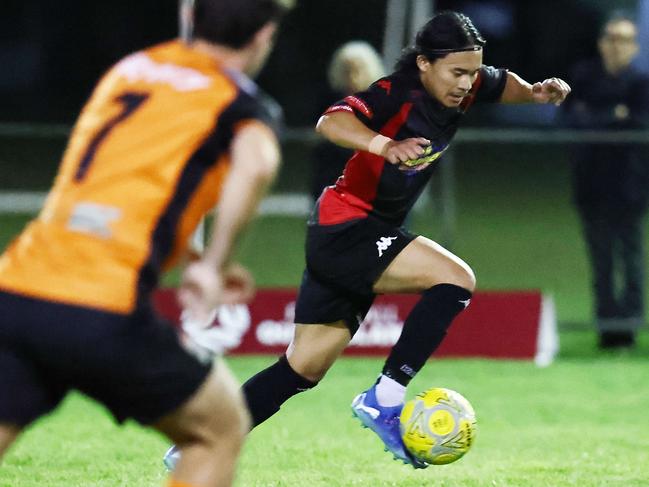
359,105
470,98
338,206
393,125
386,85
351,196
339,108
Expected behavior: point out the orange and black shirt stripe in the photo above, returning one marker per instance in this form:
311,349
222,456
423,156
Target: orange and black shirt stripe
145,162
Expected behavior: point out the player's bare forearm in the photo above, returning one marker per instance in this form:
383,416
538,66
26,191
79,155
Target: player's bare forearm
517,90
345,130
255,160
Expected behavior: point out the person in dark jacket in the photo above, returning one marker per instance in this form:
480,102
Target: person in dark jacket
611,181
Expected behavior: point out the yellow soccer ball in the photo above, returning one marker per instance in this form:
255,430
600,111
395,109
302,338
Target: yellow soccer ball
438,426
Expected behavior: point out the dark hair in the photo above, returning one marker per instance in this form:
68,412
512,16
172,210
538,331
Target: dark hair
444,33
233,23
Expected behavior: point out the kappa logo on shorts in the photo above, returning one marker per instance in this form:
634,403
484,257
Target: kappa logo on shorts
383,243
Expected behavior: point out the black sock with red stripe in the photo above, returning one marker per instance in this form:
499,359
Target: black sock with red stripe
424,329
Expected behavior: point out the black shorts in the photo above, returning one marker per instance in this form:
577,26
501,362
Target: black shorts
343,263
132,364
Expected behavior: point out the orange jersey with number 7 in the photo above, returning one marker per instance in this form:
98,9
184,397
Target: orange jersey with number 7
143,165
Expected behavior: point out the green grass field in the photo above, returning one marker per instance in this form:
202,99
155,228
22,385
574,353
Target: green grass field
581,421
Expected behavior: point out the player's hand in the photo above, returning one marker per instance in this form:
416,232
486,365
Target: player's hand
402,151
201,294
238,285
200,291
552,90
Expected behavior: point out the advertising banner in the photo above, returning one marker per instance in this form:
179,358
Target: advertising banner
508,325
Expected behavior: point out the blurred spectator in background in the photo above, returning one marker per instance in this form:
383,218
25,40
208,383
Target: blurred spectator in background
353,67
611,181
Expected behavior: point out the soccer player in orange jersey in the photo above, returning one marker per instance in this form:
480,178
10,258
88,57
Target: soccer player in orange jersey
168,133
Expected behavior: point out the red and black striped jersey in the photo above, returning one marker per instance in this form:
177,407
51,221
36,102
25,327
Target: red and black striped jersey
398,107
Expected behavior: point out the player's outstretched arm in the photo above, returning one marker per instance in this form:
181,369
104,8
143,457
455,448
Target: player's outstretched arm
255,158
345,130
551,90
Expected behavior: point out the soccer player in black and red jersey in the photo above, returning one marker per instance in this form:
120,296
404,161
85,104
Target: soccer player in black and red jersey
355,245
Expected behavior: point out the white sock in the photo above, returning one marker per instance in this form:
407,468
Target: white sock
389,392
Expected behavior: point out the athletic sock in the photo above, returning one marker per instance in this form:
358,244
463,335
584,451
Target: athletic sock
266,391
389,392
424,329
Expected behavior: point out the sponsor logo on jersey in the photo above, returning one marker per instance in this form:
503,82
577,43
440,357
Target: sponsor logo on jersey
339,108
140,67
359,105
93,218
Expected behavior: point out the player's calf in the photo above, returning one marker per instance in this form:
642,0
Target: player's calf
211,425
424,329
264,394
266,391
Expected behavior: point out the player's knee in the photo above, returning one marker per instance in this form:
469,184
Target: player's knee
458,274
216,416
311,371
240,417
315,375
226,426
235,435
464,277
308,362
233,421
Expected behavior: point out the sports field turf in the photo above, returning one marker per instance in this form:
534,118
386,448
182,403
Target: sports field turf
581,421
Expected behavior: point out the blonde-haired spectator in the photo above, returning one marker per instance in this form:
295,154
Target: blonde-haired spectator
353,67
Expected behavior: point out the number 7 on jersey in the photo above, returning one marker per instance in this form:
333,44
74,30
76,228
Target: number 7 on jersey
130,102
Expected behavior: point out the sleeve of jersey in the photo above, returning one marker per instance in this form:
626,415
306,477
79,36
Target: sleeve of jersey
247,108
491,84
373,106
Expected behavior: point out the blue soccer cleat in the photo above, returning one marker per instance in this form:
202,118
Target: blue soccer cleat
384,421
171,458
